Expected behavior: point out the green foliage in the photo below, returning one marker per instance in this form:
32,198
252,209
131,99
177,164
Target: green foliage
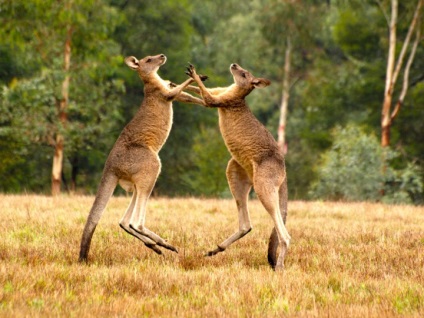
356,168
403,185
352,169
33,82
356,38
210,157
338,69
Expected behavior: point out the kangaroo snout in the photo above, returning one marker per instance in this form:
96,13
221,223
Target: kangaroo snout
234,66
163,58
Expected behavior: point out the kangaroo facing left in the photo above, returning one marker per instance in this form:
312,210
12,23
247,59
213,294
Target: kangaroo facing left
133,161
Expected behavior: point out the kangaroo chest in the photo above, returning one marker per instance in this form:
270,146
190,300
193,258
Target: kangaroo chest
239,131
151,126
248,141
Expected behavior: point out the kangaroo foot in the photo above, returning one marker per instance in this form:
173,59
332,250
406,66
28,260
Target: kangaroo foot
154,248
168,246
215,251
154,237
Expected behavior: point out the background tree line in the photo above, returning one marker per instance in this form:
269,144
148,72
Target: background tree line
346,100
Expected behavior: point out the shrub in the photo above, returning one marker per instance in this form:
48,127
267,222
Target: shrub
356,168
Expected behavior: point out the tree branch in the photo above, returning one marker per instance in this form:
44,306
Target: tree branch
384,11
392,48
406,75
406,42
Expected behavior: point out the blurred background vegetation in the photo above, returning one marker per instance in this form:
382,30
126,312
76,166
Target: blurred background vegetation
337,86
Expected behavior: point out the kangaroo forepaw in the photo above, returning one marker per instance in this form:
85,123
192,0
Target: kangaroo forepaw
203,77
191,71
215,251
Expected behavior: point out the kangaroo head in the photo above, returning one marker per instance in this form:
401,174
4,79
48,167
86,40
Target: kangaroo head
245,80
147,65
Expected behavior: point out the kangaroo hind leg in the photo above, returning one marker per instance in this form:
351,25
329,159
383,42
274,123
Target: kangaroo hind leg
240,186
144,183
267,186
125,225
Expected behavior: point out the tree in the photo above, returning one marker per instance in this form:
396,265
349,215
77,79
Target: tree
47,32
394,66
289,27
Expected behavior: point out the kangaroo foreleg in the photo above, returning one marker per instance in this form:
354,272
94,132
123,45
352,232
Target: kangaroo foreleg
187,98
175,91
191,71
192,89
211,100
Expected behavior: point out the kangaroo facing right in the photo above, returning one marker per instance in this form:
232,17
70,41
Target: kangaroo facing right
133,161
256,159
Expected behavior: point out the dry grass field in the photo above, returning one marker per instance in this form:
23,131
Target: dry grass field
345,260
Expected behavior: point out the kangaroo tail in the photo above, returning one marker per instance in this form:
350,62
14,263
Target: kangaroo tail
107,186
272,248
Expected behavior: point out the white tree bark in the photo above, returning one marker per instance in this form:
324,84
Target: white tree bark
57,165
285,99
387,115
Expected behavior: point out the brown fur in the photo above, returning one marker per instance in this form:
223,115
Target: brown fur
256,159
133,161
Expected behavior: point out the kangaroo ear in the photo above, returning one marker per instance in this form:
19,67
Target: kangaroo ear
132,62
261,82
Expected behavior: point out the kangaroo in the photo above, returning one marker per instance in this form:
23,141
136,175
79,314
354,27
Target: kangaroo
256,159
133,161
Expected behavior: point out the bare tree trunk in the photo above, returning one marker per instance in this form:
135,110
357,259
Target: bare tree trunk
57,165
387,115
388,91
59,144
285,99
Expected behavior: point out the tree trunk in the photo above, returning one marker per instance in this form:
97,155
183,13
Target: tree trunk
388,91
285,99
57,165
59,144
387,115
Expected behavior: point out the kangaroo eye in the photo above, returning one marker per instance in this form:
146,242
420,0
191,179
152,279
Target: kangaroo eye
148,60
243,75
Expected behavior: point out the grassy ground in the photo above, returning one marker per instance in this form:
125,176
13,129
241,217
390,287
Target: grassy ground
345,260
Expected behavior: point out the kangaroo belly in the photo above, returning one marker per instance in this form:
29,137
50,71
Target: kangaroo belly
248,141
